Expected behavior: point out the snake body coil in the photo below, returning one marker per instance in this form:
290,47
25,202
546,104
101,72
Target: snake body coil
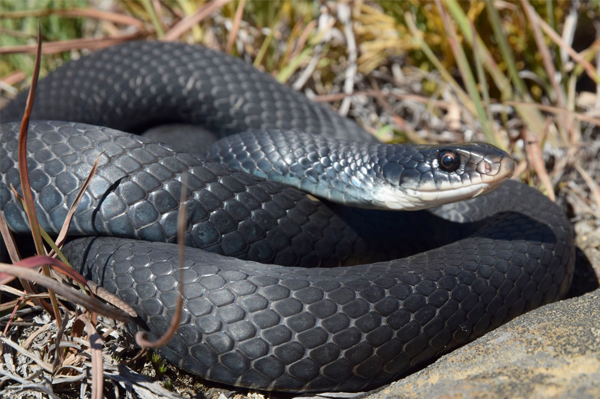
258,325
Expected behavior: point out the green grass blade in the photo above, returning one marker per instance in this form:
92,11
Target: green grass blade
155,21
533,118
507,54
487,60
467,74
265,45
52,245
293,65
417,36
484,89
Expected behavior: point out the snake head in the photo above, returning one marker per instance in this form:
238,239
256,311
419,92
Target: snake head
435,175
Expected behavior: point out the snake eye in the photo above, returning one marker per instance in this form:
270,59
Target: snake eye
449,160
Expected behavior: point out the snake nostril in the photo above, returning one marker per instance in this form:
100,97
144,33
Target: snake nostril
484,167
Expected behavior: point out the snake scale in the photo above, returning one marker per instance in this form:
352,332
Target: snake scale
411,285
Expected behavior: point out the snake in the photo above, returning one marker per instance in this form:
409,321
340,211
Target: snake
302,271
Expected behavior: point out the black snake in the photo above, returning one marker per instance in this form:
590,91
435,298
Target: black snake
467,268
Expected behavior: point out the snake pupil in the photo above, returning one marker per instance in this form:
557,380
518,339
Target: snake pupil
449,161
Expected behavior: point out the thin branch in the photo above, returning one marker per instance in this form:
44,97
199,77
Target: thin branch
77,12
46,366
235,27
64,290
65,227
556,110
593,186
24,173
189,22
96,351
75,44
535,159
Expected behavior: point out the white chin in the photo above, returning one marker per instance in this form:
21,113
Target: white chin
413,200
453,195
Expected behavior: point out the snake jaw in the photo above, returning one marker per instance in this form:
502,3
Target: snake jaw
407,199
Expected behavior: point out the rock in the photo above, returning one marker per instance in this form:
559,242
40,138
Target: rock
588,240
551,352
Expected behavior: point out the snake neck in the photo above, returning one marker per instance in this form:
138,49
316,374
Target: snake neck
372,176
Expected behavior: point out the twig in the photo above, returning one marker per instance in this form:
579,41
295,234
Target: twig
96,351
34,334
18,304
467,75
400,122
58,355
137,382
9,240
548,65
188,22
69,293
24,173
594,187
156,22
597,27
114,300
75,44
344,16
156,4
65,227
444,73
302,40
16,33
556,110
323,28
544,51
326,98
78,12
25,385
13,291
305,75
536,160
12,79
235,27
569,27
578,201
567,49
32,356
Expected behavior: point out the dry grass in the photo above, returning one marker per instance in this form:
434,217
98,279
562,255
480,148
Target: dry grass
511,73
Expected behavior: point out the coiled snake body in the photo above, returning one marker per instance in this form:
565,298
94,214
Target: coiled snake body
471,265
